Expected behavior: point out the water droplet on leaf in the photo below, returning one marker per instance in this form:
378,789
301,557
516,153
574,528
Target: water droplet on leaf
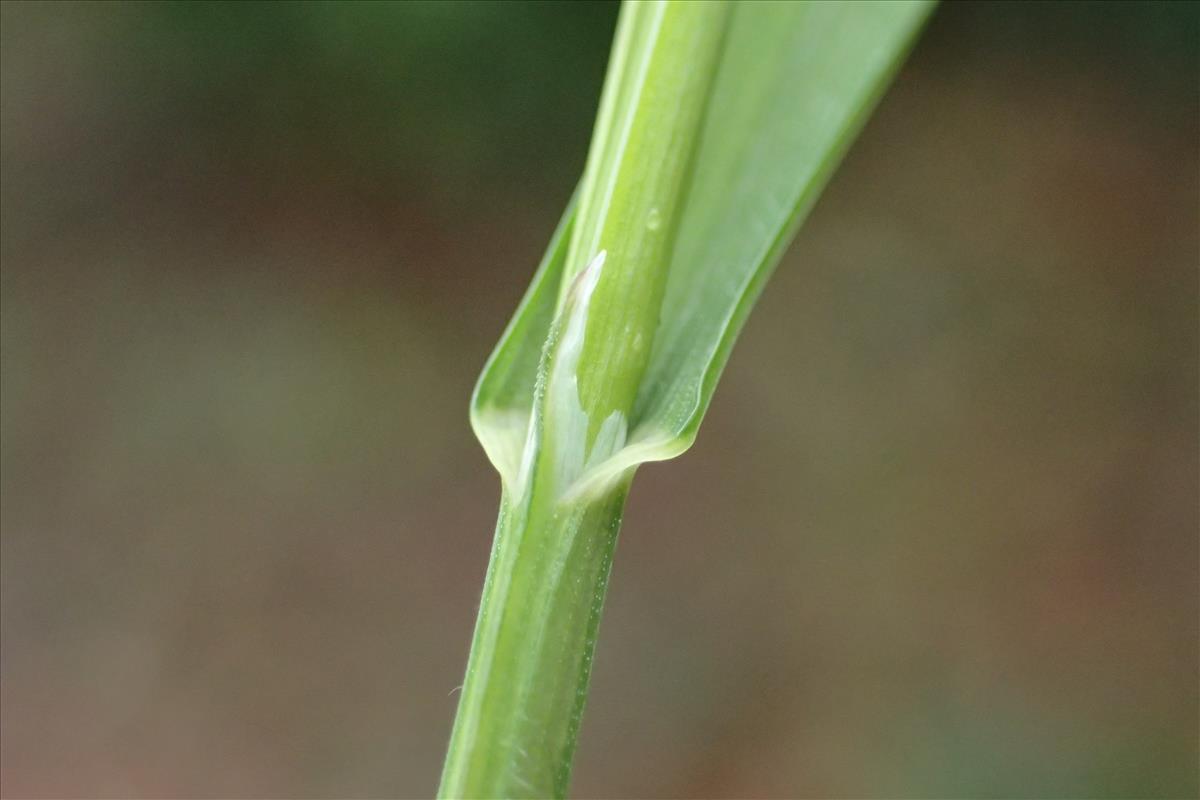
654,219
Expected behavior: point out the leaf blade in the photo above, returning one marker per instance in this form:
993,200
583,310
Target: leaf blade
765,154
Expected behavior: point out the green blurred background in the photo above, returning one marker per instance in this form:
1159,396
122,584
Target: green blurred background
938,537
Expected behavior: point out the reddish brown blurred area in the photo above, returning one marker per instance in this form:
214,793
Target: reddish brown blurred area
938,537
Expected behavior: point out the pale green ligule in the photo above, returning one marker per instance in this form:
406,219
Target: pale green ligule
571,450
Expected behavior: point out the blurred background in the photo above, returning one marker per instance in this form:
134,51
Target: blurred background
938,537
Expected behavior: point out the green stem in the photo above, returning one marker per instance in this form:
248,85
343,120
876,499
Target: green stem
520,710
635,185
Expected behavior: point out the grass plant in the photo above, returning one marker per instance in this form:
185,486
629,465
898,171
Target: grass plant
719,124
